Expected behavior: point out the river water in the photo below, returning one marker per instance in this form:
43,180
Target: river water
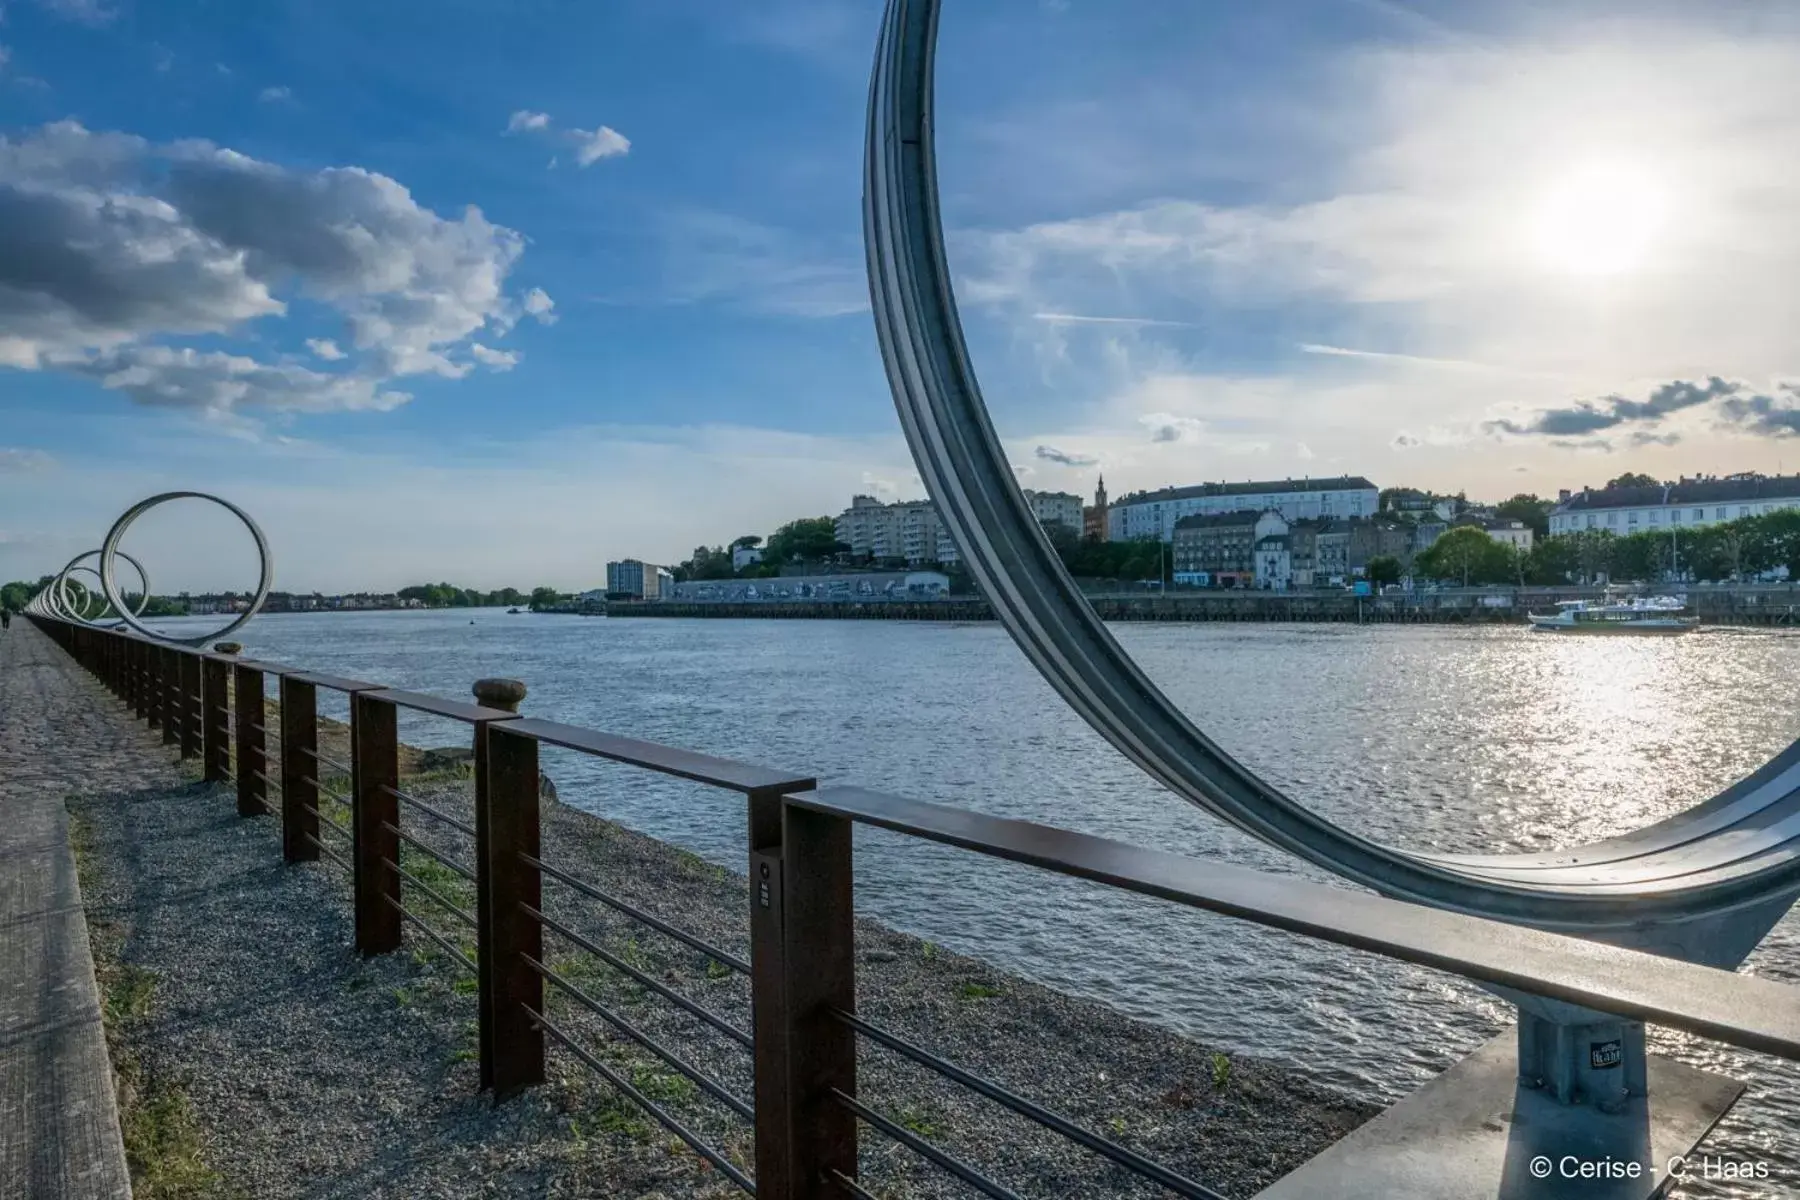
1438,737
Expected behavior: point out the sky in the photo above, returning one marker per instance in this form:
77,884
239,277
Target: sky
494,293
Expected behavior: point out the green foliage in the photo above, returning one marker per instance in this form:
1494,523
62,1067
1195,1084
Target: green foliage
810,539
979,991
1221,1071
545,597
1382,570
1463,556
707,562
448,595
1528,508
1632,479
1140,558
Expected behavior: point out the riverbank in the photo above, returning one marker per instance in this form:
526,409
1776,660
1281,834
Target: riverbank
281,1065
1760,605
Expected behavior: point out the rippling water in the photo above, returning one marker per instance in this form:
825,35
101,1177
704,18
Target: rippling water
1439,737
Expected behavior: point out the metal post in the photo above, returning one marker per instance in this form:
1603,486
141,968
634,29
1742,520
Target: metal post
156,684
215,734
510,989
375,771
252,742
141,686
503,694
818,975
299,792
171,695
192,713
768,1011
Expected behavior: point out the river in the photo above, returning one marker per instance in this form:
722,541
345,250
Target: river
1440,737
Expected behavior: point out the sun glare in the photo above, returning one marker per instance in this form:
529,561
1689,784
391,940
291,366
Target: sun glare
1599,220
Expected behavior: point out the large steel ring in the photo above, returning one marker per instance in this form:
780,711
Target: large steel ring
109,550
63,579
1705,885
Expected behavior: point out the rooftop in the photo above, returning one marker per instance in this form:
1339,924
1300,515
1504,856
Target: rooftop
1335,483
1701,489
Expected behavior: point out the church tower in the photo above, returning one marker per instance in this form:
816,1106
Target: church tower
1093,518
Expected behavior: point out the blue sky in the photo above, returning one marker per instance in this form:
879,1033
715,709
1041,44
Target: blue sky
497,292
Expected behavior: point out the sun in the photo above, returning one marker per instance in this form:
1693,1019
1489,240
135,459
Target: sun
1599,219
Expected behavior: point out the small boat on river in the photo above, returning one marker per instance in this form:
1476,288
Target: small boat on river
1615,614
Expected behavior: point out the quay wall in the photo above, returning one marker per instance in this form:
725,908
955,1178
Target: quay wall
1756,606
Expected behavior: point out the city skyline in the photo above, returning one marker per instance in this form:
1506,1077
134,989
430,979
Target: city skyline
608,307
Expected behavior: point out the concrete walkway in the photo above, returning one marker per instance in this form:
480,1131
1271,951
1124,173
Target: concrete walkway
60,732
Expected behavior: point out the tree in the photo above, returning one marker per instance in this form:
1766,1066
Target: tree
1382,570
1466,555
809,539
1527,508
545,597
1631,479
707,562
752,540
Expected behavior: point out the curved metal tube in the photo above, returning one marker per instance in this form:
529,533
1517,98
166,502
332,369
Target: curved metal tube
1670,873
109,550
59,590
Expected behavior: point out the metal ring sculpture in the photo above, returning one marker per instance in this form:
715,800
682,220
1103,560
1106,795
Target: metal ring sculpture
60,594
109,551
1704,885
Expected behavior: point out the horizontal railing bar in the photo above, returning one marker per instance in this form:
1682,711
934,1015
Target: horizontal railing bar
267,668
333,682
850,1185
443,942
313,753
428,810
702,768
328,852
341,797
258,726
445,903
454,709
648,1105
326,822
587,889
1104,1147
267,782
433,851
926,1150
1743,1010
708,1084
717,1022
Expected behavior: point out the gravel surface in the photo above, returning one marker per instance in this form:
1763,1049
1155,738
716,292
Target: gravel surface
312,1073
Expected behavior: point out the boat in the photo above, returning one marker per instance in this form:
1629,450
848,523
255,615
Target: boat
511,611
1616,614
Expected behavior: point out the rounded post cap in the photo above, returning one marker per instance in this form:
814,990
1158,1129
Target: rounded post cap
229,647
503,694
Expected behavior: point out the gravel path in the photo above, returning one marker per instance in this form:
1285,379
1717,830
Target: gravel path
301,1071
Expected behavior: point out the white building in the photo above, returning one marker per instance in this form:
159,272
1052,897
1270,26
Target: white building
1699,501
1056,508
745,556
1153,514
1516,534
908,530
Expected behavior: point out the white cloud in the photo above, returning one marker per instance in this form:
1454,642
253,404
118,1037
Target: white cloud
592,145
498,360
540,306
719,258
325,348
275,95
5,56
16,461
108,244
527,121
86,12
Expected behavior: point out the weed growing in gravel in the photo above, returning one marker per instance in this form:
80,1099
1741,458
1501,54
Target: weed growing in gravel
162,1143
128,993
402,997
664,1087
717,970
915,1119
1221,1071
979,991
619,1115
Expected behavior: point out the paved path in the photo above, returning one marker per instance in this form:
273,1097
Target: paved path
60,732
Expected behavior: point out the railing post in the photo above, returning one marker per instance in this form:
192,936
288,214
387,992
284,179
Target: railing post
173,709
503,694
156,666
818,975
141,689
215,717
768,1009
299,795
191,712
506,825
375,772
250,734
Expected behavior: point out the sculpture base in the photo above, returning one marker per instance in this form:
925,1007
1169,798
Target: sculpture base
1472,1134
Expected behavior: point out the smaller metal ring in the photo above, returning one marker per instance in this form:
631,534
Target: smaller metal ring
110,549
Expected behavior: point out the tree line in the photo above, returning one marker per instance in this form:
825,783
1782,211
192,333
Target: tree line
16,595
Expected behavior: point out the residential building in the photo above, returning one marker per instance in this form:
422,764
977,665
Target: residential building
634,580
745,556
1303,552
1274,564
865,523
1154,514
1690,502
908,531
1344,548
1516,534
1056,508
1219,550
1093,518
